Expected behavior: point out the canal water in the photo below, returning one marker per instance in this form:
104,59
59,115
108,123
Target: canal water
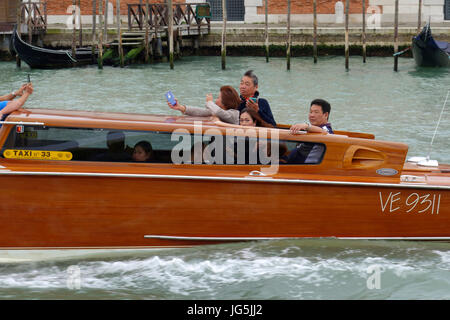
400,106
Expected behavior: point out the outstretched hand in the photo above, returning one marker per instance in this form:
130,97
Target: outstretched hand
177,106
28,88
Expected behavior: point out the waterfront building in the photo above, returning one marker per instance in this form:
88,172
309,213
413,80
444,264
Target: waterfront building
330,12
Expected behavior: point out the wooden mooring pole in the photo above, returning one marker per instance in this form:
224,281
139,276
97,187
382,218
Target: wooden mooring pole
170,31
347,50
364,49
119,33
288,45
396,36
224,34
106,14
266,21
19,29
315,31
94,26
100,36
419,18
29,23
147,31
74,28
80,31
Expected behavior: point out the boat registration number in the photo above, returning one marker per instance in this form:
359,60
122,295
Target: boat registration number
410,202
37,154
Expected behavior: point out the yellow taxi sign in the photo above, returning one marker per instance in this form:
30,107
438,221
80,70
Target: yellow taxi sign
37,154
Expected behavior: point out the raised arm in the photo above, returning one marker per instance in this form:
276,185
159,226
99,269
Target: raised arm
17,104
12,95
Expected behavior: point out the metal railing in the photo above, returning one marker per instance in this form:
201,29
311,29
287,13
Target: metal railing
184,14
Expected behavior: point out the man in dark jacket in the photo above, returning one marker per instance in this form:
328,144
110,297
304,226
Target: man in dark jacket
249,96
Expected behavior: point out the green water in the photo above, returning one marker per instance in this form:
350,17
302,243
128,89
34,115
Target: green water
402,106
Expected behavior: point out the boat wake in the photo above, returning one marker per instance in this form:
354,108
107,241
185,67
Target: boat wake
303,269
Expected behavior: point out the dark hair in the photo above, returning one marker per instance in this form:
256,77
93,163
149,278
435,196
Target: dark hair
252,75
326,107
230,98
145,145
256,118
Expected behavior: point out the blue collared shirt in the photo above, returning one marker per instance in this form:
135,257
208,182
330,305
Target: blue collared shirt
3,104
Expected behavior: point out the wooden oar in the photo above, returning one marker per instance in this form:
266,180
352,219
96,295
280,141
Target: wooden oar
401,52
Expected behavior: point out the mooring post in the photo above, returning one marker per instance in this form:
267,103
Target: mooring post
347,50
364,51
29,23
315,31
396,36
81,26
119,33
224,34
158,42
106,14
419,20
140,14
19,27
146,40
94,26
266,21
74,29
100,36
170,35
288,49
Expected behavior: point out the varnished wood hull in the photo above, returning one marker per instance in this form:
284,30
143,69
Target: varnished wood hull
83,211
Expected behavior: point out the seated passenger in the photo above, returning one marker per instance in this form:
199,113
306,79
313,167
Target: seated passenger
117,151
225,107
251,118
143,151
318,118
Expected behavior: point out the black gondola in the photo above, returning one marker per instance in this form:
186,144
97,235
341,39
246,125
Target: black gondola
42,58
429,52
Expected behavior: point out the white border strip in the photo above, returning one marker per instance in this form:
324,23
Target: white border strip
235,179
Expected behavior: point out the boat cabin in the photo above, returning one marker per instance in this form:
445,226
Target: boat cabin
37,138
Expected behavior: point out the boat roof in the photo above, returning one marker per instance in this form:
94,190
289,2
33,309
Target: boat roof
81,117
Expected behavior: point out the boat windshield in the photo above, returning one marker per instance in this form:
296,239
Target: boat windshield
105,144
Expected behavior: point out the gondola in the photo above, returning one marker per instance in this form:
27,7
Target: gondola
42,58
429,52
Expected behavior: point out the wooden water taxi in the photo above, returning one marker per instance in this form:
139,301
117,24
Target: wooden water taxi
70,183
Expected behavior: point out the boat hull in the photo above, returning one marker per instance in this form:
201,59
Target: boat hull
429,57
40,211
428,52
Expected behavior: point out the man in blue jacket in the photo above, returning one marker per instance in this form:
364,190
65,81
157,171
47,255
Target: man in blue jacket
249,96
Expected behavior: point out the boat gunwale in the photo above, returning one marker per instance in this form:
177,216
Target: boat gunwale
258,179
